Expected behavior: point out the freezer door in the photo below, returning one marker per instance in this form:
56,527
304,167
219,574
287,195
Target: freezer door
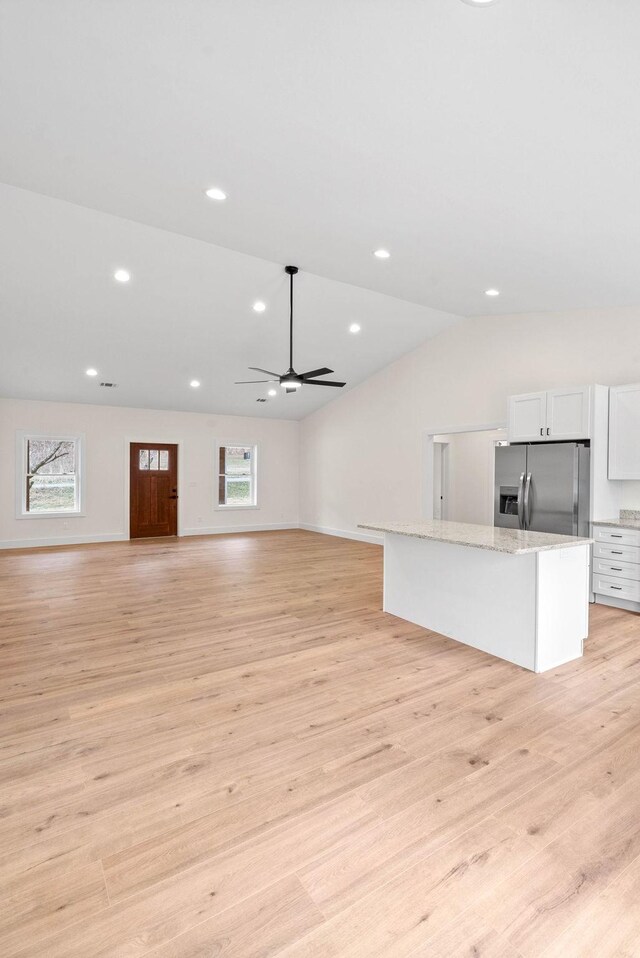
508,501
551,492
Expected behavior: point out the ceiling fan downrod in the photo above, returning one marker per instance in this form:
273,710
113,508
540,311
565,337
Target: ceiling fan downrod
291,270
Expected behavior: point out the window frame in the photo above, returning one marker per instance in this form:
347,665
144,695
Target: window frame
22,439
221,444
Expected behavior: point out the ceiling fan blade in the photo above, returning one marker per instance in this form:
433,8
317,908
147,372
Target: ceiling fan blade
269,372
247,382
316,372
322,382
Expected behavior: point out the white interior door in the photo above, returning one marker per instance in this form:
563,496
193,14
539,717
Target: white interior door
440,479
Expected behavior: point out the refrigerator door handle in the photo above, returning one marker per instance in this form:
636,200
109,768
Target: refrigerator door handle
521,502
527,501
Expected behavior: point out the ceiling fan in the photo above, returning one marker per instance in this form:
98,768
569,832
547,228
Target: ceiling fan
291,380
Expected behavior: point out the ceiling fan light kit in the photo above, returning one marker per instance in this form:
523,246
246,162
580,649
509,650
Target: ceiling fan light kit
291,381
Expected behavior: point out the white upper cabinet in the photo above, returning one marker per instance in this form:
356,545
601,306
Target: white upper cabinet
568,413
624,432
527,417
554,415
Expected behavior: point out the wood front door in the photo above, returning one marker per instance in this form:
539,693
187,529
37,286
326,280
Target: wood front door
153,488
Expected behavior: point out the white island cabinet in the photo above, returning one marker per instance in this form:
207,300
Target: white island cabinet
521,596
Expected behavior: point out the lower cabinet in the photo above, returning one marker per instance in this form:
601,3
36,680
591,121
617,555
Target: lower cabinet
616,567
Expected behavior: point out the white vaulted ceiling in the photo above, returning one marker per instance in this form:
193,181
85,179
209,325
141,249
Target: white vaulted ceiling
185,314
483,147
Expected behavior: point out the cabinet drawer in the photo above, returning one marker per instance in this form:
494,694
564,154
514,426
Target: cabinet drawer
619,570
620,588
619,553
629,537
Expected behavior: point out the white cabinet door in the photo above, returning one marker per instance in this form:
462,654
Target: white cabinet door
624,432
568,413
527,417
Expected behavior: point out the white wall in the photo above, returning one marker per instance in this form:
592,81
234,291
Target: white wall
470,473
362,455
630,496
107,430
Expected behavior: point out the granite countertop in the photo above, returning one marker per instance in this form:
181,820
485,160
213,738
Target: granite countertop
509,541
628,519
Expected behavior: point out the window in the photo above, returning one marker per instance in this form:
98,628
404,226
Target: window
49,478
237,476
157,460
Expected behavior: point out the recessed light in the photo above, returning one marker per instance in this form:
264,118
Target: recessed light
492,292
478,3
214,193
122,275
194,383
273,392
354,328
259,306
92,372
382,253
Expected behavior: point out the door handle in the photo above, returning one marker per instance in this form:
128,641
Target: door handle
172,497
527,503
521,501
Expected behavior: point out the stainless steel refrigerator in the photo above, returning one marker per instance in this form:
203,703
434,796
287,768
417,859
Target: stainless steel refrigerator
543,487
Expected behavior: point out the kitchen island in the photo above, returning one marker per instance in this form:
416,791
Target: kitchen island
522,596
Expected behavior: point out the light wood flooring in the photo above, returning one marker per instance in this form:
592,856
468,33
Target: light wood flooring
222,748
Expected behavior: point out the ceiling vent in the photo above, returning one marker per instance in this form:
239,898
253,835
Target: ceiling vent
109,385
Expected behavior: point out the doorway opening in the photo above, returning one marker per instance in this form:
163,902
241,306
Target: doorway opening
153,490
465,475
459,471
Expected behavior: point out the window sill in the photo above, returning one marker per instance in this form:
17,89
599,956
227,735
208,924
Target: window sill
51,515
234,508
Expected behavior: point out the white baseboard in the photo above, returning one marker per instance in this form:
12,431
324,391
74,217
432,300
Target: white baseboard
202,531
121,537
61,541
227,530
344,534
